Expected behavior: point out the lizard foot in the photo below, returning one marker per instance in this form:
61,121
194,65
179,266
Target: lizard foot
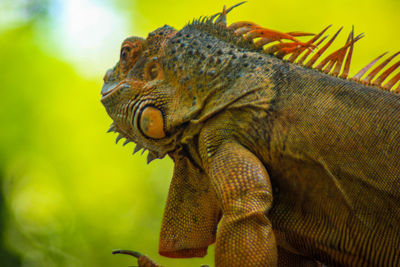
143,260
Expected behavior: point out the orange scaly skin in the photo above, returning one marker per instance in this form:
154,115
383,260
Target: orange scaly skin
296,167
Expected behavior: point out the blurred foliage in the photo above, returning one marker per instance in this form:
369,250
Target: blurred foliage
71,195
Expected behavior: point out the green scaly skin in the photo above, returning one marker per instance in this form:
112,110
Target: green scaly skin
294,166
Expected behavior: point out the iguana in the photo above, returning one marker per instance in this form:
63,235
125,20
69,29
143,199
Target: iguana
279,159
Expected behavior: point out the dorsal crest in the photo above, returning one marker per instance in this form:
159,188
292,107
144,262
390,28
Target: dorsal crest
311,54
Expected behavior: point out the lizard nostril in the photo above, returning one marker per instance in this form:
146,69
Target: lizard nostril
107,75
109,87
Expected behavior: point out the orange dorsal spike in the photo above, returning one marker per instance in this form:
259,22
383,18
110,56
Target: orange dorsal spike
299,34
397,90
392,82
263,41
339,63
316,37
280,47
291,48
221,17
240,24
294,56
311,62
304,57
337,57
373,73
243,27
332,57
346,68
361,73
244,30
341,57
270,34
378,82
329,67
331,64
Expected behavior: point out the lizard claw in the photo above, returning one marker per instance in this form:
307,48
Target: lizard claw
143,260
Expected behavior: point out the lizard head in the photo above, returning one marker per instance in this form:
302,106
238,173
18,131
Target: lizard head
136,97
166,85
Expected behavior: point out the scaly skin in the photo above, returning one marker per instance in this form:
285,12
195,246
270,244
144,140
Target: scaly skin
294,166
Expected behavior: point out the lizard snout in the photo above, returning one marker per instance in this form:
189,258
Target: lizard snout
108,87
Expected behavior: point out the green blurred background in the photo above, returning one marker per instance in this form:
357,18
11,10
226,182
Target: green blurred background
69,195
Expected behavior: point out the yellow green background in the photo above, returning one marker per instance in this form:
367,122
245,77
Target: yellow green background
69,194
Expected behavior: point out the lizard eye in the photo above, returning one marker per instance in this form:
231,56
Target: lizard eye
151,123
130,51
153,71
125,53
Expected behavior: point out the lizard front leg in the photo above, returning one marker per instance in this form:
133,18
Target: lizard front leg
244,193
190,217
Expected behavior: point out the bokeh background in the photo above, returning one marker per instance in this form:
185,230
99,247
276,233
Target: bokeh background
69,195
